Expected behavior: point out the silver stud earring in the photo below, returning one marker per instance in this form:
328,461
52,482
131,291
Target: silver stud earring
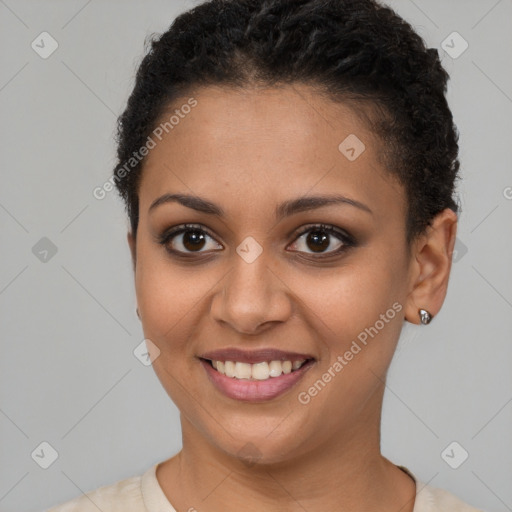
425,316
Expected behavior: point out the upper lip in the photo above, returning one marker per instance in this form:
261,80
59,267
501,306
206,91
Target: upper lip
254,356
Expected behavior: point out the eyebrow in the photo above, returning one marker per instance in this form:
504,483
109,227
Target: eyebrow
285,209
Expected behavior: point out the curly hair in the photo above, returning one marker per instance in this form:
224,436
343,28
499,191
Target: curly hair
355,51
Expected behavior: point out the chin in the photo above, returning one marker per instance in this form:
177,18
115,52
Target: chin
260,449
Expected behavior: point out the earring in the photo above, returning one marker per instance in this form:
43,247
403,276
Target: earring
138,314
425,316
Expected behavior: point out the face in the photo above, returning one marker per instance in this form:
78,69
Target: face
266,275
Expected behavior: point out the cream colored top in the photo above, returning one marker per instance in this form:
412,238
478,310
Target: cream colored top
144,494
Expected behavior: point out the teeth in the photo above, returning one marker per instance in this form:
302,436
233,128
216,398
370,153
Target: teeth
261,371
287,366
242,370
275,368
257,371
229,368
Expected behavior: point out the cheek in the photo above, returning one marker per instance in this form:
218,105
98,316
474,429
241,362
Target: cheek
355,294
359,303
168,299
358,315
167,294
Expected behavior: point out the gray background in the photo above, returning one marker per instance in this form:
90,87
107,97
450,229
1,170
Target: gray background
68,375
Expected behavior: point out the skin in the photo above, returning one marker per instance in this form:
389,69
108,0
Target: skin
248,151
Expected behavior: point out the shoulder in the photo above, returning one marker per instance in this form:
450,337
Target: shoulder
123,493
432,499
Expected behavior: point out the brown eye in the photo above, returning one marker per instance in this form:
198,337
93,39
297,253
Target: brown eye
187,239
318,239
193,240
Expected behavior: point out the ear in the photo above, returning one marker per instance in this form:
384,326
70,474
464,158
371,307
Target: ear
431,265
131,243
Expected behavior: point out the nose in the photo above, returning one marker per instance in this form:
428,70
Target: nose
252,296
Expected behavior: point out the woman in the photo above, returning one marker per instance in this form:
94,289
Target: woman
288,169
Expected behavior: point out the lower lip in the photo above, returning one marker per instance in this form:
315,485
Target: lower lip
254,390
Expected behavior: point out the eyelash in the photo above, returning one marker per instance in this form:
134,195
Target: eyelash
347,240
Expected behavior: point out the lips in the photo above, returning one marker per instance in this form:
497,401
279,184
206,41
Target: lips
229,370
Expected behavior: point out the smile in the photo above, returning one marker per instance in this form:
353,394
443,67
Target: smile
257,380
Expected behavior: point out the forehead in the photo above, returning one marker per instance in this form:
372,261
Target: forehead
261,146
